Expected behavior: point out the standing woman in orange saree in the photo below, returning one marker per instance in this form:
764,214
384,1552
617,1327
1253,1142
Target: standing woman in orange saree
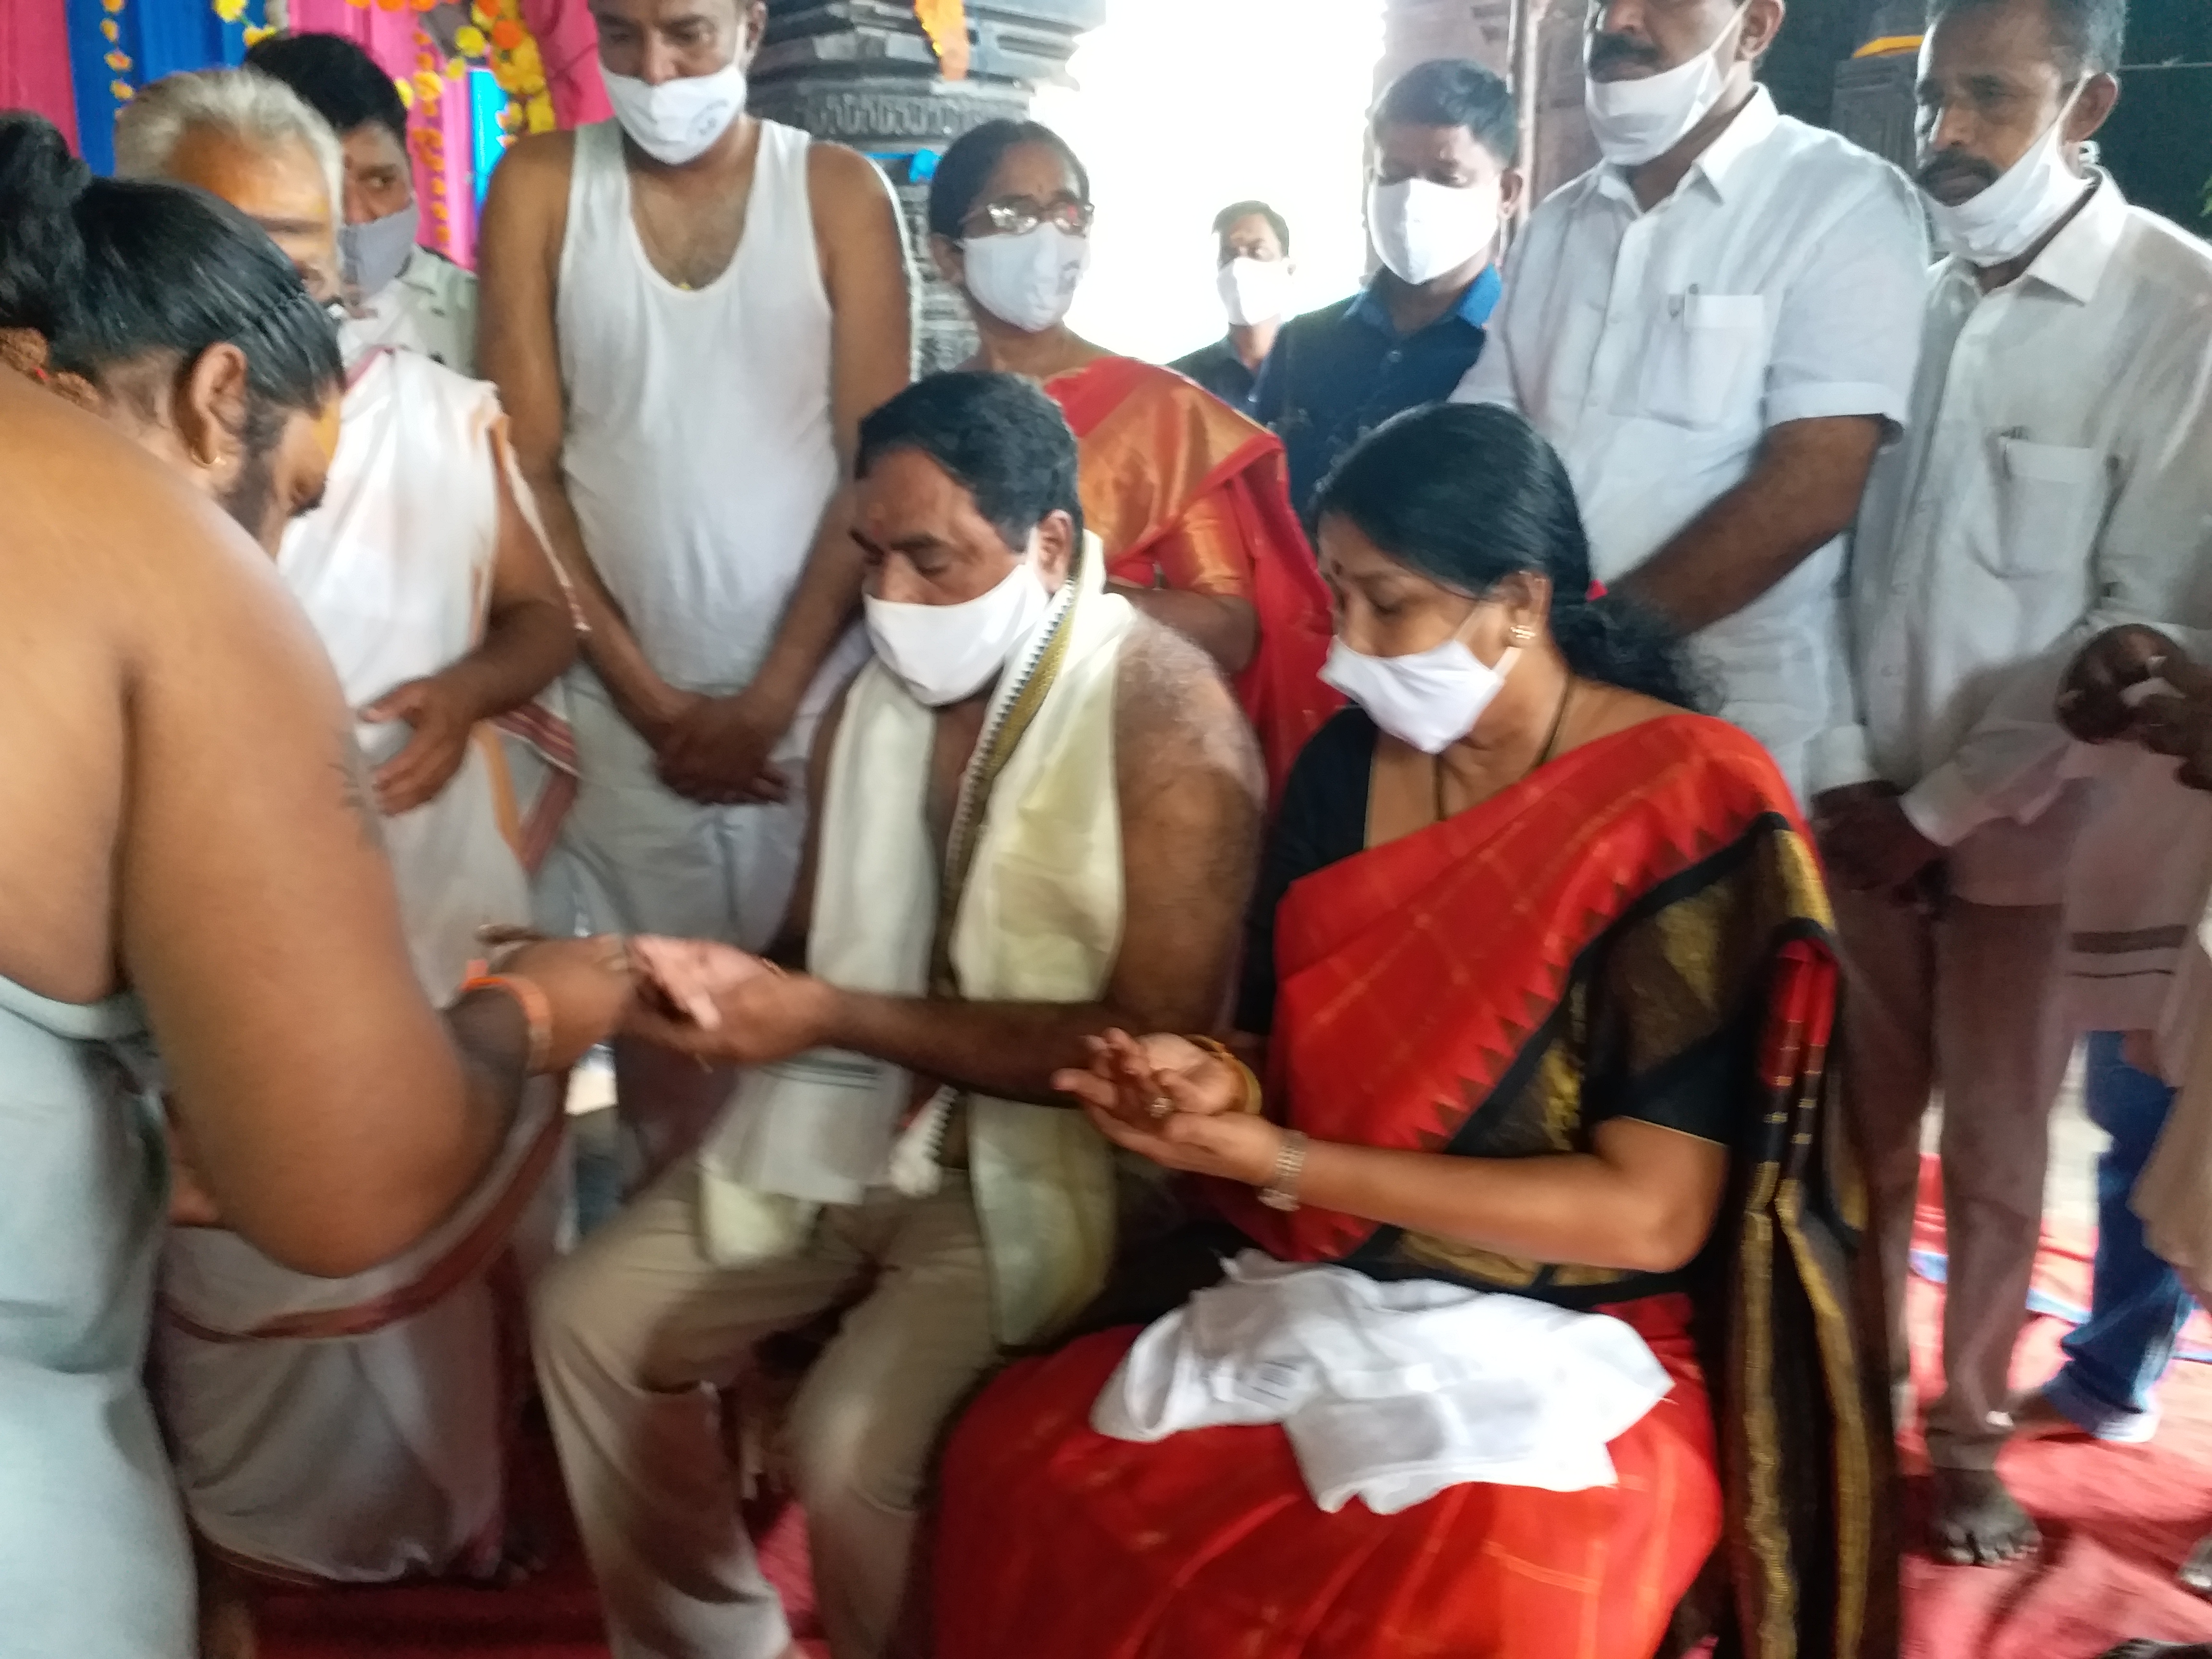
1191,499
1544,967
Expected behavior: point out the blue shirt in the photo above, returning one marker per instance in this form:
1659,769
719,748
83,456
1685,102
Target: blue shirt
1336,374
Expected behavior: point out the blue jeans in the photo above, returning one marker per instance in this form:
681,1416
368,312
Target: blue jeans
2137,1305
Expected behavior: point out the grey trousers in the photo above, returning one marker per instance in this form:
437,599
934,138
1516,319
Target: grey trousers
637,1328
1964,1001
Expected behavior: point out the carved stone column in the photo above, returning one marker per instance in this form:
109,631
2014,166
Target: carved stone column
1874,102
861,72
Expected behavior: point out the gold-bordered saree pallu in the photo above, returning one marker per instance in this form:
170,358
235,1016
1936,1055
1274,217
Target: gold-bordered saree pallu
1639,928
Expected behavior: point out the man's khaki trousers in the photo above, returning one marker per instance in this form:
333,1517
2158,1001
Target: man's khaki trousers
1964,1000
636,1331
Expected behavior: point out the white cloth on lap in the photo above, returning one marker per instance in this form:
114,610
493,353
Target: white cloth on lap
1390,1391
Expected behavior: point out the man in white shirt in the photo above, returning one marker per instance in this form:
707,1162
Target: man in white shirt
687,311
1716,328
401,294
2053,482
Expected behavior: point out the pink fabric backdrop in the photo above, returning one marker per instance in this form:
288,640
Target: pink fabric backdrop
34,63
568,46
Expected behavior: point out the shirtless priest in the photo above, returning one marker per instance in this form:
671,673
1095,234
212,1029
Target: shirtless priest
440,610
1039,812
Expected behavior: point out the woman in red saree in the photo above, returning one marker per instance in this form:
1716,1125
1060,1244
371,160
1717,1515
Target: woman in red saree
1543,964
1191,499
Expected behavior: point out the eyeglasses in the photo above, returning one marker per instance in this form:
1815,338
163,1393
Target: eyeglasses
1018,216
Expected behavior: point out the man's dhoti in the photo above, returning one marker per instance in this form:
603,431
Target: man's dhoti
356,1429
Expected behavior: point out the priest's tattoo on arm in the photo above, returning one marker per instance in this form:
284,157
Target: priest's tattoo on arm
355,790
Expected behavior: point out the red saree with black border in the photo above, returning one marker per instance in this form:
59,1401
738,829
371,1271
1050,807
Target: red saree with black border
1638,929
1188,494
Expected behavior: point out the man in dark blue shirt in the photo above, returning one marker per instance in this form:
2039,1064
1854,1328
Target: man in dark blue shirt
1444,182
1255,270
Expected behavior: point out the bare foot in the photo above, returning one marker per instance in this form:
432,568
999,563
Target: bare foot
2035,1418
521,1554
2197,1572
226,1618
1976,1522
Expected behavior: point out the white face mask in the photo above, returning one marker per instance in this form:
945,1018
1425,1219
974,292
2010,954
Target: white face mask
1634,121
370,256
947,652
1255,291
1429,699
1424,230
676,121
1028,280
2008,216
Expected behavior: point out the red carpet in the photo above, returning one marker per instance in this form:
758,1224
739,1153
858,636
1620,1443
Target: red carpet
2117,1522
555,1615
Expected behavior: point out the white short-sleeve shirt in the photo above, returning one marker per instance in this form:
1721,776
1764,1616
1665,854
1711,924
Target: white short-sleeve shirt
2055,480
1782,281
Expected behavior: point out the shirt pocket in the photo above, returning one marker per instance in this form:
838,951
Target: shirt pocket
2050,500
1701,362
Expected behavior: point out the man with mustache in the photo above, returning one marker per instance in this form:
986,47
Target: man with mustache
1716,327
2053,482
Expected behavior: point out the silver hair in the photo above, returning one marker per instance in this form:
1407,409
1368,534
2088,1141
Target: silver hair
255,109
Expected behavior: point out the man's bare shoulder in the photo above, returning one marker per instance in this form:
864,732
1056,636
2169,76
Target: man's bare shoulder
540,158
532,177
1174,712
837,173
97,520
851,200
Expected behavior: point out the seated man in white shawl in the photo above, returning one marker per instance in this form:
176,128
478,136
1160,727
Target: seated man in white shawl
1038,824
351,1429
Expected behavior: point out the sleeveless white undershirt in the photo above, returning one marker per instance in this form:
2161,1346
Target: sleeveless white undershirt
700,453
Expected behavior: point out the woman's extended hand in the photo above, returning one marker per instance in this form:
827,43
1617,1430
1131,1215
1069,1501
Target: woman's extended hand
1234,1145
1142,1079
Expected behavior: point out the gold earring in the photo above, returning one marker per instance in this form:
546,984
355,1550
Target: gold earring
1520,633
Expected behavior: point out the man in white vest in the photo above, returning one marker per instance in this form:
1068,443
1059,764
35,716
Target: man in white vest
687,311
1038,818
428,584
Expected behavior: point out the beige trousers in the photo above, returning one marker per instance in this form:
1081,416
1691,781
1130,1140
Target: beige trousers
636,1330
1965,1000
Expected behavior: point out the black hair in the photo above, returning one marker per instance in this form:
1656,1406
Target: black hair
996,436
41,259
1454,92
1236,212
963,170
1468,494
111,269
334,77
2091,35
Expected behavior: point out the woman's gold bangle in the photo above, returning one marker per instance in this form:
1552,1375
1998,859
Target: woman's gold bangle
1254,1096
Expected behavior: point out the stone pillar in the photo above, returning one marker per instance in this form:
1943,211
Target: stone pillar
1874,104
1485,31
861,72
